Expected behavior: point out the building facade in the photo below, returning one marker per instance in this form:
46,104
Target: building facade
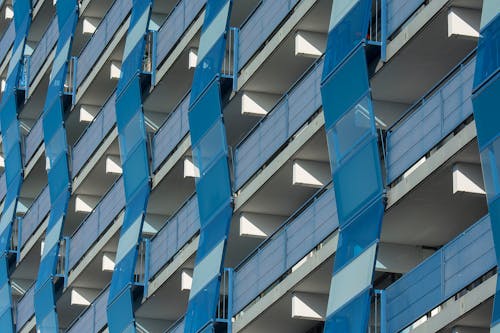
249,166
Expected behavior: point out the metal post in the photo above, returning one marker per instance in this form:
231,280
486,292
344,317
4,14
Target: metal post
19,238
236,42
153,57
74,88
230,272
67,241
147,248
383,37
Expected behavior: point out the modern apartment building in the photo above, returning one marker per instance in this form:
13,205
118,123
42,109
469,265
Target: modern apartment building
252,166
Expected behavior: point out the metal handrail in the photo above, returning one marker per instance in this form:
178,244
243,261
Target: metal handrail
282,98
432,90
289,220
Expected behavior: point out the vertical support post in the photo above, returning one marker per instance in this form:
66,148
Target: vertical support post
236,51
74,83
383,19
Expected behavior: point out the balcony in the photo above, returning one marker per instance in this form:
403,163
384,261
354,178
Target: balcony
278,126
298,236
173,130
96,223
179,229
430,120
441,276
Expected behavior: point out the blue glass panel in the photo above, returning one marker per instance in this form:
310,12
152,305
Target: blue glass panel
214,190
52,120
485,102
494,209
45,306
351,128
48,266
205,112
488,61
120,314
202,307
349,32
128,102
353,317
133,134
57,145
490,159
215,231
358,180
136,166
58,177
6,321
123,274
345,87
10,137
359,234
210,148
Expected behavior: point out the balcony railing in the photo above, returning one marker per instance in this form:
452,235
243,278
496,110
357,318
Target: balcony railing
259,25
44,47
93,135
179,229
3,187
96,223
442,275
398,12
298,236
177,22
430,120
94,318
33,140
173,130
35,215
25,308
283,121
101,38
7,40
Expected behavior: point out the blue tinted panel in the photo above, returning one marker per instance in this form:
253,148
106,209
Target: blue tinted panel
133,134
58,177
353,127
357,181
345,87
359,234
210,148
120,312
136,170
215,231
490,159
202,307
128,102
485,102
213,189
488,61
204,112
353,317
349,32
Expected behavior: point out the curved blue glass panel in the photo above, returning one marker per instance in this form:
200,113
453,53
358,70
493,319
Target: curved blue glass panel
56,152
485,99
135,164
11,141
210,156
355,163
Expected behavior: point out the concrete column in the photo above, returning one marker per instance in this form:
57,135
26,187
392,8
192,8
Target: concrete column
115,70
464,22
190,170
259,225
468,178
88,112
90,24
255,103
85,203
113,165
310,173
309,306
186,279
310,44
83,296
